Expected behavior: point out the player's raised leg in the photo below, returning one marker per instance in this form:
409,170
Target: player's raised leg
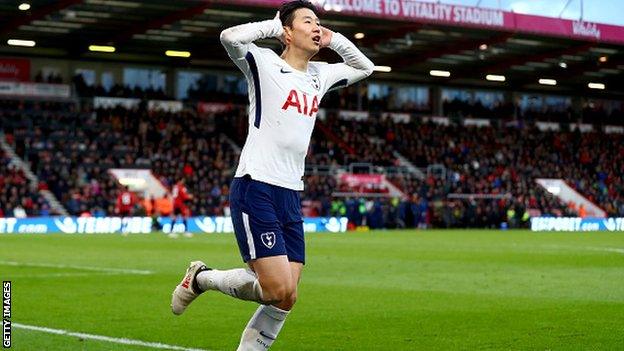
259,238
274,285
240,283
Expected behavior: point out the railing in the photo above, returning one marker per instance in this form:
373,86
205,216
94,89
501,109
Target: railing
332,170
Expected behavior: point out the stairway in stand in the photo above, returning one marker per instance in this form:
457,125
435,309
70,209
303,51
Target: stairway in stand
55,205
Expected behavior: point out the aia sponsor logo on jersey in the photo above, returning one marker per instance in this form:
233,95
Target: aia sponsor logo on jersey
304,104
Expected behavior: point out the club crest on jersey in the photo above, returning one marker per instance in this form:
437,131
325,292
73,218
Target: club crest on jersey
301,101
268,239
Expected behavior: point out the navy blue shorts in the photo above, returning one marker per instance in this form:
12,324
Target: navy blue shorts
267,220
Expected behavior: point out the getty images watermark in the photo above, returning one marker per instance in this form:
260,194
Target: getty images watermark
6,314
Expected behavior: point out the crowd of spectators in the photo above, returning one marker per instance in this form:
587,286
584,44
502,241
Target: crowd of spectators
70,149
497,161
17,197
501,163
361,143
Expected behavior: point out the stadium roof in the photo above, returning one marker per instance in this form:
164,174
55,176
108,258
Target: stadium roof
470,43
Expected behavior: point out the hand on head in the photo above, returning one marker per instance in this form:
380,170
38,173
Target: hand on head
326,36
280,36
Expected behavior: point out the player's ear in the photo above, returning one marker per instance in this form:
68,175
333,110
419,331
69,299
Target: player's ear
282,38
287,37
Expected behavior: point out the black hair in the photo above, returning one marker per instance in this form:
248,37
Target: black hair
287,10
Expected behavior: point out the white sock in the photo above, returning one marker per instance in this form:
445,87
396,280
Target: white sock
262,329
239,283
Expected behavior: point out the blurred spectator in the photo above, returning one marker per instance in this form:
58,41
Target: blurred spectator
126,202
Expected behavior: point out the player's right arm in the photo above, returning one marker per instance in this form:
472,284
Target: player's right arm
238,39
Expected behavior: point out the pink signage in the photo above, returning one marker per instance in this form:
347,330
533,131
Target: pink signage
455,15
358,179
14,70
213,107
364,183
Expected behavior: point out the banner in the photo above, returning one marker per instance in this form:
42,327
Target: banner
164,105
112,102
397,117
213,107
548,126
614,129
582,127
477,122
576,224
144,225
443,121
365,183
224,224
14,70
353,115
462,16
362,179
35,90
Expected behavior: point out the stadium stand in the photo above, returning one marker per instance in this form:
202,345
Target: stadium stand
70,149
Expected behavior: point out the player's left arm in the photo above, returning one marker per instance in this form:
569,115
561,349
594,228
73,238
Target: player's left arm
356,65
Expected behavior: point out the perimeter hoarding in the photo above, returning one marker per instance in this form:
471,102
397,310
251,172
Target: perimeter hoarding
144,225
576,224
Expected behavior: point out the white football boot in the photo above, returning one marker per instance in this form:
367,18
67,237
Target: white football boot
187,290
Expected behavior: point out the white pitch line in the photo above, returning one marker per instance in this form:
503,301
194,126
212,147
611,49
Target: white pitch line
590,248
85,268
608,249
56,275
124,341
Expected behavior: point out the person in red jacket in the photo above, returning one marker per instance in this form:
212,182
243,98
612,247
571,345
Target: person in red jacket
126,200
180,197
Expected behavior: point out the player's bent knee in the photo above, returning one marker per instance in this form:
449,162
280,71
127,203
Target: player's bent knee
277,294
287,303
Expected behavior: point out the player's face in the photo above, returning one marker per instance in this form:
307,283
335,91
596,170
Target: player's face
305,32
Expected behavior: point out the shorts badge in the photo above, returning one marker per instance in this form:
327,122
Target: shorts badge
268,239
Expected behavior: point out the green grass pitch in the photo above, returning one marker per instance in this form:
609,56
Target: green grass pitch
382,290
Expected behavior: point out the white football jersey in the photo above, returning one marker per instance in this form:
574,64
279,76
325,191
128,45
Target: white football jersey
284,102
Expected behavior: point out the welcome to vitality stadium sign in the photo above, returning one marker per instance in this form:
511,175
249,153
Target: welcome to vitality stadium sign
463,16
